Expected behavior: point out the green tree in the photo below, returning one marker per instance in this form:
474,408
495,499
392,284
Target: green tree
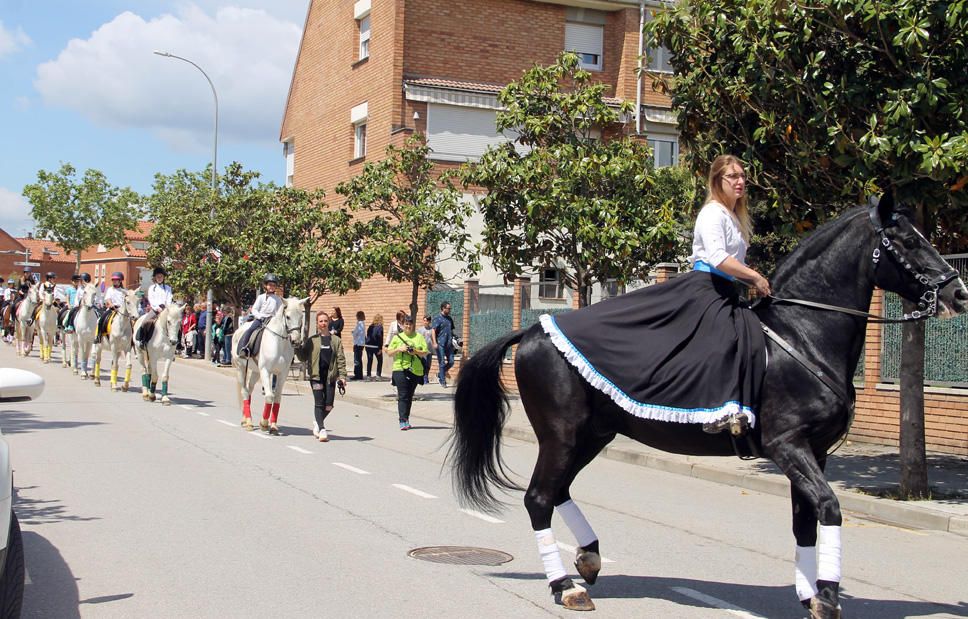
314,249
79,213
203,236
559,196
416,218
827,101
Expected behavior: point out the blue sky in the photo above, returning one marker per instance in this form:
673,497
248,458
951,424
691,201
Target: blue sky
79,84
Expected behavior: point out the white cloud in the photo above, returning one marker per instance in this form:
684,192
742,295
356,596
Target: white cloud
113,78
14,213
12,41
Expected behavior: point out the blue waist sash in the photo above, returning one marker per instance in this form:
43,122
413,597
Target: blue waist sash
701,265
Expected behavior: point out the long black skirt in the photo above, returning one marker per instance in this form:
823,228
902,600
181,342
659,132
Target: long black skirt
684,351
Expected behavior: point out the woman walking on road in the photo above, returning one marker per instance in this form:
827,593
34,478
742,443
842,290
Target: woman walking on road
323,355
408,349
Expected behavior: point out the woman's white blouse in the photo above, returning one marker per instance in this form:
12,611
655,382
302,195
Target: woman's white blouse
717,236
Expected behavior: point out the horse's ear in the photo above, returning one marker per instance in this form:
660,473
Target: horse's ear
885,207
304,301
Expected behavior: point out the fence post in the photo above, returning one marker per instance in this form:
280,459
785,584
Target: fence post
472,295
664,271
520,296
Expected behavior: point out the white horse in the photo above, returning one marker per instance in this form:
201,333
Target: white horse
24,327
85,326
47,324
119,341
156,356
283,332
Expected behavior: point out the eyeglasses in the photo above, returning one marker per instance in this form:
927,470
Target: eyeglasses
734,177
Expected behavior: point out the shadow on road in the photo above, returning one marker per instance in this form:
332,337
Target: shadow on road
20,422
192,402
42,511
52,590
760,599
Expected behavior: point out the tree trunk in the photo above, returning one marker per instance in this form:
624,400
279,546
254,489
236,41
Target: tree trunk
914,465
77,262
414,292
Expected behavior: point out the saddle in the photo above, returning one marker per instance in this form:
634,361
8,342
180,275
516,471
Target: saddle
146,330
255,342
36,313
63,318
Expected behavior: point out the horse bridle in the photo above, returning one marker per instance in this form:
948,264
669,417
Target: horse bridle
285,325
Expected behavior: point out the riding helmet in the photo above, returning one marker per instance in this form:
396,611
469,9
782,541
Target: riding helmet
159,271
51,275
11,281
270,278
117,275
86,277
75,277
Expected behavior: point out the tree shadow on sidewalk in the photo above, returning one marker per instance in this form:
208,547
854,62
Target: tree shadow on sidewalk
42,511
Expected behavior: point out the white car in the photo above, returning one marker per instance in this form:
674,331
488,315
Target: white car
15,386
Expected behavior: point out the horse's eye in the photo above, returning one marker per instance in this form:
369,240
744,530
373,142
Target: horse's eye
910,242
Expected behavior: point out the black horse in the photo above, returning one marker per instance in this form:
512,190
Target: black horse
805,406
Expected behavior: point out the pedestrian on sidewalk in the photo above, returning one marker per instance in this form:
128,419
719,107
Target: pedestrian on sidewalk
431,338
228,329
408,349
359,345
336,323
374,346
323,355
443,326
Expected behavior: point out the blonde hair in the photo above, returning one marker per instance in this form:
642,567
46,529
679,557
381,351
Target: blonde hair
714,191
378,319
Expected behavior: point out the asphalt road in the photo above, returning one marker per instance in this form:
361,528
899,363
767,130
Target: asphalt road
131,509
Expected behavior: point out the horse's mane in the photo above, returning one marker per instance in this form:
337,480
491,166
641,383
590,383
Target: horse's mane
815,243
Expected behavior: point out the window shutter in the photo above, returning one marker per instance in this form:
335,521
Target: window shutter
584,39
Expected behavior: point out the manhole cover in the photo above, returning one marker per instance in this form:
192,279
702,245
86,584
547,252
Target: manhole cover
460,555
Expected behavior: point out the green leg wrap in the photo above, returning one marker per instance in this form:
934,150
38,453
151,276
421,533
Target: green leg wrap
164,388
144,380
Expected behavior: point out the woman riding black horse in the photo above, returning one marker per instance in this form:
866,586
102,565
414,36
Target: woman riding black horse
803,407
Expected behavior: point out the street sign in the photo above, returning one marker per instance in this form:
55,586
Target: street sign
27,264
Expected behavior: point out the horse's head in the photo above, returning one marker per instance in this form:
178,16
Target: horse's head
131,302
173,321
295,317
906,263
88,293
47,297
33,294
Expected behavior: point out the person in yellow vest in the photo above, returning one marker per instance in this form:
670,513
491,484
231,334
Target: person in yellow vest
408,349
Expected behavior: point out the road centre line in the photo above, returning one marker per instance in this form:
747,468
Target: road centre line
227,423
259,435
202,414
419,493
186,407
299,449
351,468
480,516
734,610
569,548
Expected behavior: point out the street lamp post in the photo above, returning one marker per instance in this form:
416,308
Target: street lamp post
209,298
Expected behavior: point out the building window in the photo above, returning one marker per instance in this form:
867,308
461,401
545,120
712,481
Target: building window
665,151
365,37
550,286
359,141
289,150
612,289
659,59
584,35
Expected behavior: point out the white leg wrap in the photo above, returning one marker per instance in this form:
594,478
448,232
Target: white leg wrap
576,522
828,554
550,555
806,572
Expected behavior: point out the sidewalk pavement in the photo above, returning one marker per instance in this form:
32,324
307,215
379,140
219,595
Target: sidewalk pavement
857,471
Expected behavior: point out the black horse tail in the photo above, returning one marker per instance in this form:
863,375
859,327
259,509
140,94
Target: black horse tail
480,410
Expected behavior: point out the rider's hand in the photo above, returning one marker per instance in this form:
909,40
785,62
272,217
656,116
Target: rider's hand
762,286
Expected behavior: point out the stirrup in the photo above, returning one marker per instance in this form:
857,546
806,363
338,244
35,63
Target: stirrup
737,424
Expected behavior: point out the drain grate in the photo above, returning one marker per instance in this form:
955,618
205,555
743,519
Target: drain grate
460,555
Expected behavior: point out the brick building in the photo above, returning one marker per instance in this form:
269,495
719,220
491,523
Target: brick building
370,73
130,259
48,256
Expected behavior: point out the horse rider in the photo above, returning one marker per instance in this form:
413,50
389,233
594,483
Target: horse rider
263,309
6,300
113,299
26,279
159,297
73,300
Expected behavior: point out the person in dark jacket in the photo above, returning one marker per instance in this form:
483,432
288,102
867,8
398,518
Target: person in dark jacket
228,329
374,346
326,365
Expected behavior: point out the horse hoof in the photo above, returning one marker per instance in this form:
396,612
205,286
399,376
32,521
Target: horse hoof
264,426
125,387
576,598
152,397
274,430
165,401
114,387
75,372
247,424
820,609
588,564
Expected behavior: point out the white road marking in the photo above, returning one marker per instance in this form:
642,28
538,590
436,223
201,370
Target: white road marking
299,449
565,546
259,435
351,468
227,423
186,407
27,580
202,414
484,517
734,610
419,493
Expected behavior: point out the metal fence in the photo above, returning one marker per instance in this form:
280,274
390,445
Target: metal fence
456,300
945,342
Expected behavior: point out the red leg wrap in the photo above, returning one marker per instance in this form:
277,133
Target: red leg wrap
275,412
247,409
266,408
